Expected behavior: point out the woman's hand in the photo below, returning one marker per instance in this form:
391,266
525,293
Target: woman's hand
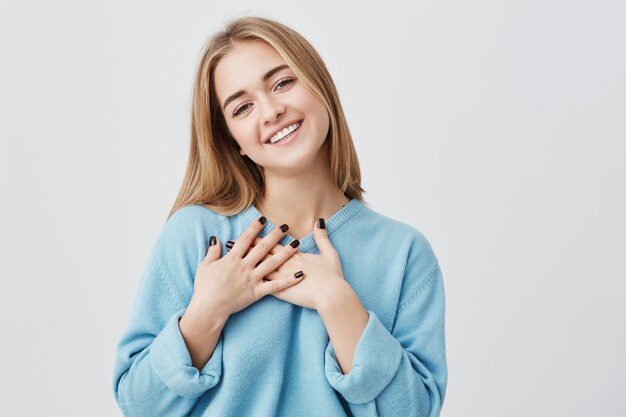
323,276
226,285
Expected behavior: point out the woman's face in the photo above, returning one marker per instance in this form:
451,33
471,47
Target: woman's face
257,100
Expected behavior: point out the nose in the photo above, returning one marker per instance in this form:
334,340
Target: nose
271,109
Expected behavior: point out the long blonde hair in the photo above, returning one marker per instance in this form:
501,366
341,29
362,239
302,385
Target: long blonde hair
217,176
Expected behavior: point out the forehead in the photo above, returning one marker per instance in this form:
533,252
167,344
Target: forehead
244,66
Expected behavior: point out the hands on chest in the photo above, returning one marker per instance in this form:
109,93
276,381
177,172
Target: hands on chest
323,275
255,267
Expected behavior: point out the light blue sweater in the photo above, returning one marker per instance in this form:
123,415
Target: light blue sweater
274,358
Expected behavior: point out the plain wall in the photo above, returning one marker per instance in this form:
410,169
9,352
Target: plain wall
495,128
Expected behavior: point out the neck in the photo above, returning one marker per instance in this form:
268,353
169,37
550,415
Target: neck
299,200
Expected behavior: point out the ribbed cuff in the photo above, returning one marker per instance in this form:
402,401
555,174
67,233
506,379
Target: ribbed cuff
376,361
171,362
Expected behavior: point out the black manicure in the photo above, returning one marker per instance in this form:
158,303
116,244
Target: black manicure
295,243
284,228
262,219
212,241
230,244
298,274
321,224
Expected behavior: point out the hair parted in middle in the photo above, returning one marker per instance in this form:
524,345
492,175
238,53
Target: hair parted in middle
217,176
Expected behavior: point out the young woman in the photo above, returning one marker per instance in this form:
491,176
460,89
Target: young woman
273,289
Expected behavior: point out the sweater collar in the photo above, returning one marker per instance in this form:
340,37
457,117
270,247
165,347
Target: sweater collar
307,243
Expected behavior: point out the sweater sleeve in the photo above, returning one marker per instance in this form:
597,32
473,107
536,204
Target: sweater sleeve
153,373
403,371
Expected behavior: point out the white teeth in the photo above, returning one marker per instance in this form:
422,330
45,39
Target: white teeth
281,134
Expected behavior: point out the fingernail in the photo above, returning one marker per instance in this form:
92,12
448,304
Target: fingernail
230,244
262,219
284,228
212,241
321,224
298,274
295,243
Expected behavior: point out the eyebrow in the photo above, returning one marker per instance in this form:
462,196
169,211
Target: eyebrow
264,78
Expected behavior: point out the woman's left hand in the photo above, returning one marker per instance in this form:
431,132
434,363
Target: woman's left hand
323,277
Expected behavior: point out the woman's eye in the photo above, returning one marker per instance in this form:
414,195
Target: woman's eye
281,83
288,81
240,108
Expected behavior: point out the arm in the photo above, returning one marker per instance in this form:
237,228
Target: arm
345,318
153,373
200,334
401,371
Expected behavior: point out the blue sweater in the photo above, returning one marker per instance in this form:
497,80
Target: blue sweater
274,358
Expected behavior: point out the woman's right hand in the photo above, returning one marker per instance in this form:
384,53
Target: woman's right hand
226,285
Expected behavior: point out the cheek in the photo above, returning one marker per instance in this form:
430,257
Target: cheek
316,107
322,115
243,133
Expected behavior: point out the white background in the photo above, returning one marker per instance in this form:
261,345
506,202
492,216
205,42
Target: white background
495,128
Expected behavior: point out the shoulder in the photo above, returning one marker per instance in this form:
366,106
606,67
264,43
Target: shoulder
194,214
189,227
403,234
408,242
421,266
193,217
182,244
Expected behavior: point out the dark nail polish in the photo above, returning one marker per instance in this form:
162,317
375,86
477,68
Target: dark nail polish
230,244
212,241
284,228
298,274
295,243
321,224
262,219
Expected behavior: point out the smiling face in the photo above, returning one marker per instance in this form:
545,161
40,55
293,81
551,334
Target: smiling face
259,95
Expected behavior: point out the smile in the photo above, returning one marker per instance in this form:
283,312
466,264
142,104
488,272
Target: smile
287,138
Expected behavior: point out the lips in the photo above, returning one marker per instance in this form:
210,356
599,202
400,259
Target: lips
287,124
287,139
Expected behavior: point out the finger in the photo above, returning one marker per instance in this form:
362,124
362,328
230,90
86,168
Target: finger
214,251
269,255
320,234
243,242
270,287
274,261
277,247
273,275
266,244
276,275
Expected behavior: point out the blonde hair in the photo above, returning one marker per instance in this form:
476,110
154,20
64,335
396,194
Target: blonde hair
217,176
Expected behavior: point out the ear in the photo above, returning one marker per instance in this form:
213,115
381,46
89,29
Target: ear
241,152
